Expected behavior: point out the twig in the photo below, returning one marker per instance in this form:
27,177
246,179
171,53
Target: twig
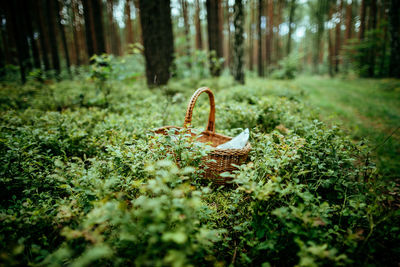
387,138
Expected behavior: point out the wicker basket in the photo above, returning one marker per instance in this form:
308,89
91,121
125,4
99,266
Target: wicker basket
223,158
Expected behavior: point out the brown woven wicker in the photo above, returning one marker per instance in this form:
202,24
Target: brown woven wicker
223,158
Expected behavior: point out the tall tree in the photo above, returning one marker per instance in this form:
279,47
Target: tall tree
270,32
199,38
373,16
318,16
75,24
292,8
394,29
97,14
251,35
363,12
259,34
88,27
128,22
114,40
238,48
158,48
50,9
63,37
349,20
29,27
43,35
184,9
338,36
215,40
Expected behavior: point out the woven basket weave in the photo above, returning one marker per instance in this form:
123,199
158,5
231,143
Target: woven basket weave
222,158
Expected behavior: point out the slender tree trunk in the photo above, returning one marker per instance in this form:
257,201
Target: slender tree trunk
199,39
128,22
29,26
63,37
291,18
251,35
278,45
373,16
363,11
228,41
349,20
114,40
394,26
187,30
215,40
139,27
158,48
259,33
75,23
238,22
338,37
43,36
330,46
98,23
88,28
52,35
270,32
384,18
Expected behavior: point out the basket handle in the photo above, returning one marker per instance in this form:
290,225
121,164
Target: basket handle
192,102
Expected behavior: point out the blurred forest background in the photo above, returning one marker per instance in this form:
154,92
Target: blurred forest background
273,38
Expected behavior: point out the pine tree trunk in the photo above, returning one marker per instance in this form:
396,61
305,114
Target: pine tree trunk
238,48
215,40
43,36
270,33
75,21
187,30
291,18
138,26
338,37
88,27
63,37
99,29
34,48
349,21
50,9
278,45
199,39
394,26
227,48
158,48
373,16
363,11
128,22
330,46
259,33
251,35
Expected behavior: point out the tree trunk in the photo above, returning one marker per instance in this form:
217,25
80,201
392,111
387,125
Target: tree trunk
138,26
337,37
128,22
35,51
363,11
259,33
373,16
199,39
251,35
394,26
63,37
330,46
99,29
75,21
349,21
88,27
114,37
215,40
187,30
270,32
52,35
278,45
228,49
43,36
238,48
158,48
291,18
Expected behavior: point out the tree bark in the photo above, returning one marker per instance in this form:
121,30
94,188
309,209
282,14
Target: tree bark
88,28
349,21
187,30
43,36
251,35
338,37
52,36
98,23
29,27
238,48
291,18
215,40
63,37
259,33
199,39
75,22
363,11
270,32
128,22
373,16
158,48
394,26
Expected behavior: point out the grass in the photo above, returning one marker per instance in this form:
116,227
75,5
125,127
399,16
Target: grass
366,109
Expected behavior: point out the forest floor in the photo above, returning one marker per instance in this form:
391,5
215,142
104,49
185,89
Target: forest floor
366,109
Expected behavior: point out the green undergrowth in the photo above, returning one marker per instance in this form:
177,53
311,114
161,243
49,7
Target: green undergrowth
85,181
